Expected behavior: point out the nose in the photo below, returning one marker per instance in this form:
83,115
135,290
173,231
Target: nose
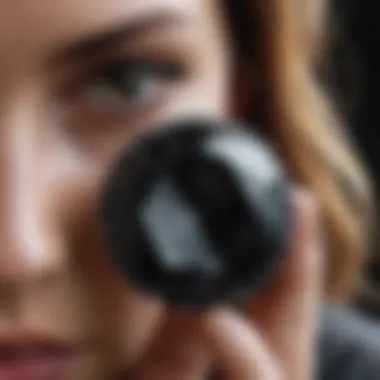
30,243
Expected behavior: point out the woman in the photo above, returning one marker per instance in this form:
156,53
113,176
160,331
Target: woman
81,77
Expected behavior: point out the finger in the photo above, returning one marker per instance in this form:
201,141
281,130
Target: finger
178,353
238,350
287,311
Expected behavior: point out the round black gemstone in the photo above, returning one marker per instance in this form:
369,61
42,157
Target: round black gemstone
197,212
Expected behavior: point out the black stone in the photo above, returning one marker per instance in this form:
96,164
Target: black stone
197,212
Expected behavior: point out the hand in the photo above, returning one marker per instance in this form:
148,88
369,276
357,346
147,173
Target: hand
272,339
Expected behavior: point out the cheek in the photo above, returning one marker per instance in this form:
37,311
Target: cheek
125,319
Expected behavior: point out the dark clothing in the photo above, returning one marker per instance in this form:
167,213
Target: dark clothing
349,347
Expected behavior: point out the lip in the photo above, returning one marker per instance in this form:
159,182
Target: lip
32,356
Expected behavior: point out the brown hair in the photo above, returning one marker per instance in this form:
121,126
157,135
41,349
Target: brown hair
285,42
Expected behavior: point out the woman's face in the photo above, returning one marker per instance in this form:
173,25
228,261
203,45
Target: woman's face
78,79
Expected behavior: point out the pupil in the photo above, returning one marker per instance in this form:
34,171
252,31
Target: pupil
128,79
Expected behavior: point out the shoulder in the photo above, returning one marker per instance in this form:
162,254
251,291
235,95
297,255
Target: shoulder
349,346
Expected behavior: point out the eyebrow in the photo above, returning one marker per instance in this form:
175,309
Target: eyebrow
104,41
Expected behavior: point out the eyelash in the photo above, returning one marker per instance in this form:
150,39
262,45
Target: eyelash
165,71
123,81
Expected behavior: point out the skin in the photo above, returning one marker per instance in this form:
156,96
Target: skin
57,141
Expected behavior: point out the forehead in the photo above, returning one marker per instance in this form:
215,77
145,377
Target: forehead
38,24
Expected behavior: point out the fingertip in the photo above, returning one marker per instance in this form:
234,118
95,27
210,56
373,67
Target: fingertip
303,272
238,348
306,207
307,229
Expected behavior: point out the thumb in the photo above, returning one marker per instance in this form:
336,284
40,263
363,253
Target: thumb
178,353
238,349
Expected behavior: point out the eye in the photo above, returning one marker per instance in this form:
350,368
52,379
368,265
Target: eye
106,104
123,86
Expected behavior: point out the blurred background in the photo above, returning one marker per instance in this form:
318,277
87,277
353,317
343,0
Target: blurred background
354,76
